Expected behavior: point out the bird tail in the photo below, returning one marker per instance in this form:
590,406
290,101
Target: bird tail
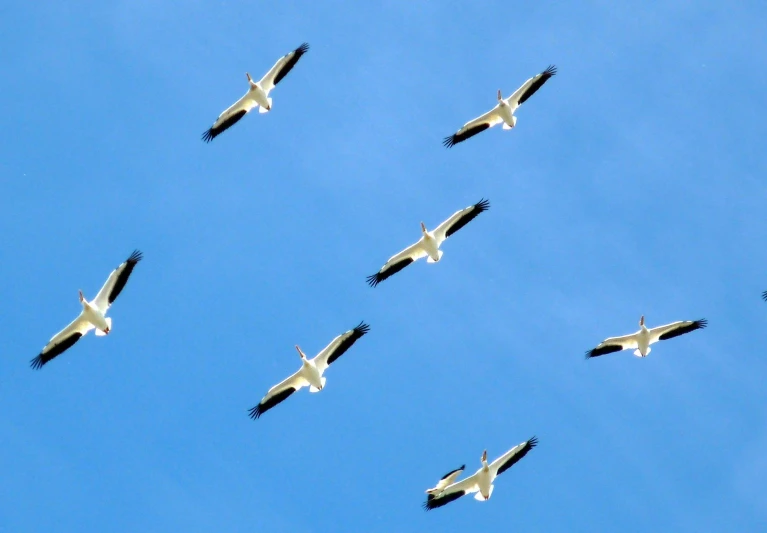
263,109
109,325
315,389
439,256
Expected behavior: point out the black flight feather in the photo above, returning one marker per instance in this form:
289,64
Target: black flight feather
463,467
345,344
264,406
454,139
122,278
529,445
57,349
545,75
479,207
610,348
433,503
215,131
297,53
381,275
698,324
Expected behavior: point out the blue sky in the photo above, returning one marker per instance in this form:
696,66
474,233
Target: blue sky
633,184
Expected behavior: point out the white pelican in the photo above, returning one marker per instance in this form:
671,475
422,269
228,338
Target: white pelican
481,481
503,112
447,479
92,315
310,373
257,95
641,340
428,245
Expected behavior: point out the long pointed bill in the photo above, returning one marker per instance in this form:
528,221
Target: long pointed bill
82,298
641,320
300,352
499,95
423,227
484,456
249,78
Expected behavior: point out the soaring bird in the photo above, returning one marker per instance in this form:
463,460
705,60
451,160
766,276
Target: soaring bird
428,245
93,314
481,482
503,112
257,95
311,372
641,340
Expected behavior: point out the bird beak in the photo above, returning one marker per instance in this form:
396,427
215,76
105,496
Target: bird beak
82,298
499,95
484,456
300,352
423,227
249,78
641,320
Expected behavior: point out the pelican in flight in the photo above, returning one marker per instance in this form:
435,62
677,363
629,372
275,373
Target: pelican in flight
257,95
428,245
641,340
310,373
503,112
93,314
481,482
447,479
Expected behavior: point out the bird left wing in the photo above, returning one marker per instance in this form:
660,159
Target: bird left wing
530,87
281,68
116,282
669,331
473,127
452,492
398,262
278,394
510,458
459,219
614,344
338,346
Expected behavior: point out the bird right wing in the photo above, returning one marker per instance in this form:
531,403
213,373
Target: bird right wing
398,262
614,344
229,118
281,68
62,341
510,458
473,127
278,394
529,88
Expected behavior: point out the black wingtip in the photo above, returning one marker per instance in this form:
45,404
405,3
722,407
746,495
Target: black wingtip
448,142
589,354
303,48
135,257
482,205
208,135
701,324
533,441
551,70
373,280
764,296
255,412
362,328
37,363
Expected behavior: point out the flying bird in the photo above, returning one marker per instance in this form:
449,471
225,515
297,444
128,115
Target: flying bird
447,479
503,112
93,314
481,482
641,340
428,245
310,373
257,95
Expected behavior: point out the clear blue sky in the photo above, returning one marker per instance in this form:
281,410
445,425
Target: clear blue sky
634,183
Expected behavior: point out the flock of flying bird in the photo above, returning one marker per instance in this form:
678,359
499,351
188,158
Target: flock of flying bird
311,374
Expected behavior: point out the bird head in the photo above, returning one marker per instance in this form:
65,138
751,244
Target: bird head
641,320
500,98
300,353
82,298
250,80
484,456
423,228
